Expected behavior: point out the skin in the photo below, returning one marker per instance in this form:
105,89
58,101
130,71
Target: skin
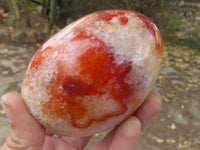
28,134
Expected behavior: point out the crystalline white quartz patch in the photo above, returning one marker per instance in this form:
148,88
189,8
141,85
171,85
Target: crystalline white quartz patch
118,36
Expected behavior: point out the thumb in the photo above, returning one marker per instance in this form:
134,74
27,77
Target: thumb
26,132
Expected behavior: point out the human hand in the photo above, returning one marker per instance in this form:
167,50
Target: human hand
28,134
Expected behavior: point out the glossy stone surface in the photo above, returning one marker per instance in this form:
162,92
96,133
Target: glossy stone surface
94,73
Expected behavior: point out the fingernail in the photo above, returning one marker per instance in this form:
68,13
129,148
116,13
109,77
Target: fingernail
158,98
5,106
156,93
3,102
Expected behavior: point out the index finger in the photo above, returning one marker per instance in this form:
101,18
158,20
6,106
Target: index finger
149,108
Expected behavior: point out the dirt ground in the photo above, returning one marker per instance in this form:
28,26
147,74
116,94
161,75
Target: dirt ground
176,126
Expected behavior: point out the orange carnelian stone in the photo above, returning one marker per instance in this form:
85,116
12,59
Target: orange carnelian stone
94,73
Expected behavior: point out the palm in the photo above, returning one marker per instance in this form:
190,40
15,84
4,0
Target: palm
64,143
